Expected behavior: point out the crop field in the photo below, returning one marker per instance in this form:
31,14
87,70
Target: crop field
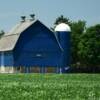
49,87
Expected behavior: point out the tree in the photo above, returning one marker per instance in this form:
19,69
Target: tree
61,19
89,47
1,33
78,29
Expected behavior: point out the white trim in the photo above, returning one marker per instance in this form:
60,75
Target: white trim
2,63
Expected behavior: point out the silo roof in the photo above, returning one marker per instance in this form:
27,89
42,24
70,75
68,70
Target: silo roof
63,27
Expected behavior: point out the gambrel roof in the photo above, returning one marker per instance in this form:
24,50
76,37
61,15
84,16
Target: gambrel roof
9,40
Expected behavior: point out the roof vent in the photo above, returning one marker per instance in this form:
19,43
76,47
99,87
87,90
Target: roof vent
23,18
32,17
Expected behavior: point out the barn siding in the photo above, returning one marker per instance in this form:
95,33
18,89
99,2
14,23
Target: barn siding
8,59
6,62
2,68
37,46
0,58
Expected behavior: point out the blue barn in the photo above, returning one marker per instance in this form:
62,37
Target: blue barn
31,47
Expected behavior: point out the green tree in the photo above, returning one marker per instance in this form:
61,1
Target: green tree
78,28
61,19
1,33
89,47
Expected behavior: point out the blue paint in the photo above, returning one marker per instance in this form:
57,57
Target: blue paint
37,40
65,43
38,46
8,59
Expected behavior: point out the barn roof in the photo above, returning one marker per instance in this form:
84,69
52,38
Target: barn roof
9,40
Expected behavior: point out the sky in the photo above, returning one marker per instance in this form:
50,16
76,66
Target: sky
48,10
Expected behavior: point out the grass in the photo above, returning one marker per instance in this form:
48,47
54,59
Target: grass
49,87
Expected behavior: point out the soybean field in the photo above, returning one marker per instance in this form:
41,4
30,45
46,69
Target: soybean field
49,86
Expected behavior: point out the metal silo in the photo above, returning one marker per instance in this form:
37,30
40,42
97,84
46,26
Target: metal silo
63,34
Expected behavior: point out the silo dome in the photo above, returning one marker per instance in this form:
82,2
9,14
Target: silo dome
62,27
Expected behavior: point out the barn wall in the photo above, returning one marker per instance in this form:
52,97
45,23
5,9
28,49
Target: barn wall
37,46
0,58
8,58
6,62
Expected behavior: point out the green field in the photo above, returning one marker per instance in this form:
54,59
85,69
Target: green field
49,87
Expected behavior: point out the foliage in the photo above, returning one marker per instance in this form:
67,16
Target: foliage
89,46
49,87
1,33
61,19
78,29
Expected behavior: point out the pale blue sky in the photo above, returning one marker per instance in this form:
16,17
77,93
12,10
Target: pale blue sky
48,10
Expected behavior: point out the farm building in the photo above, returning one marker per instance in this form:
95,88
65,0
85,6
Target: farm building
31,47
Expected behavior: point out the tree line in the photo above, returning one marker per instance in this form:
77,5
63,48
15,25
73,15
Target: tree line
85,45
